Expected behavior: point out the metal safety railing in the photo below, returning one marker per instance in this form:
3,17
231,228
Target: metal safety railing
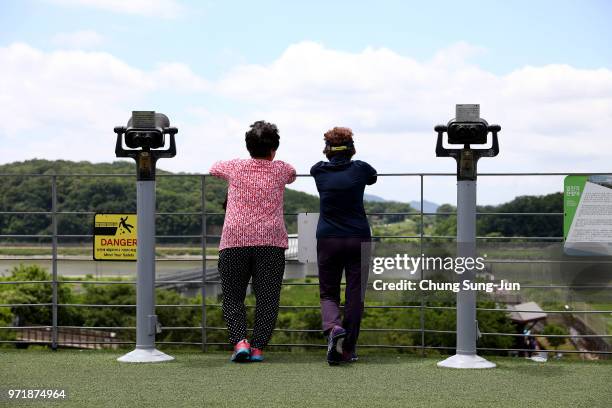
54,212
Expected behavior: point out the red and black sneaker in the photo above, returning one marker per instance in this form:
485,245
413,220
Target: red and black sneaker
256,355
349,356
242,351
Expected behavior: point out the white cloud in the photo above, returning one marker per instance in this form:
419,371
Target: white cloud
179,77
554,117
148,8
64,104
84,39
457,54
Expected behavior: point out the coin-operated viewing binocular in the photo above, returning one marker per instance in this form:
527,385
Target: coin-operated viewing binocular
467,129
145,137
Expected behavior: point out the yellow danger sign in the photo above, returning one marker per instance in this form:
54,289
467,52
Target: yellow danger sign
114,237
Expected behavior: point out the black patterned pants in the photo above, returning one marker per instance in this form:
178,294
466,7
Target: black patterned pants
266,266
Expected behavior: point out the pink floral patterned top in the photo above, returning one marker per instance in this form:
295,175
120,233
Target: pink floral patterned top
254,213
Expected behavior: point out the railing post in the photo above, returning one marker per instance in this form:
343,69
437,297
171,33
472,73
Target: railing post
54,299
422,310
203,288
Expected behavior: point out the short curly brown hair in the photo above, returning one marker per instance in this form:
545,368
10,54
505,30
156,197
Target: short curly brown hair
339,137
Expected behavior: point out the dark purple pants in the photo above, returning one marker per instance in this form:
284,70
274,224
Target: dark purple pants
335,255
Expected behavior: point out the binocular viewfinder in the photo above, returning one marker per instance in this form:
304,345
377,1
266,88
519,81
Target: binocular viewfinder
146,130
467,128
145,134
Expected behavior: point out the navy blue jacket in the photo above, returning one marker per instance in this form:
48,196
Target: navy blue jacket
341,183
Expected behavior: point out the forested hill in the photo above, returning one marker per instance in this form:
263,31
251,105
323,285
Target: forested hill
118,194
87,192
513,224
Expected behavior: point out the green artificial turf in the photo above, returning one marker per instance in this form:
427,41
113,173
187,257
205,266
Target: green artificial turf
302,379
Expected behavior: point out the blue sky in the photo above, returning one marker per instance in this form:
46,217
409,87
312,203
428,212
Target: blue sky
211,36
388,69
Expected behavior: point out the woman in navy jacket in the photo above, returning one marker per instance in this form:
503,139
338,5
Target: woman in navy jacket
343,239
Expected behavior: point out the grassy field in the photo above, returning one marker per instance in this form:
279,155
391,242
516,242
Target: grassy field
95,379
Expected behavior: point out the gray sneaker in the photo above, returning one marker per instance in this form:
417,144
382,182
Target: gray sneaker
334,345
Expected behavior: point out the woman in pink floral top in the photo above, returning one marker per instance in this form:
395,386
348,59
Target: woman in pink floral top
254,238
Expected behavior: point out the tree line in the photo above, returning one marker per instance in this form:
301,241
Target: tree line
116,192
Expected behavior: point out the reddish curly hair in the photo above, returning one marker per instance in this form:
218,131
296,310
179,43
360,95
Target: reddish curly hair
338,136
